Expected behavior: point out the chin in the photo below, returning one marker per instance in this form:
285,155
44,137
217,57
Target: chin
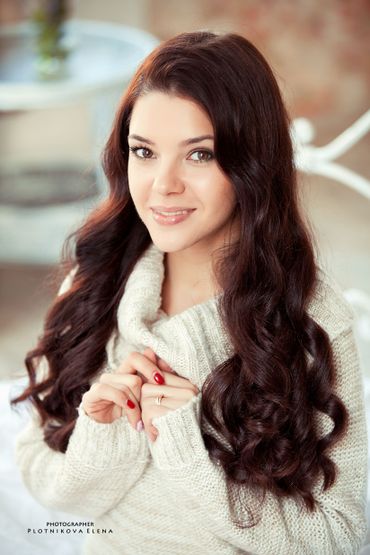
170,244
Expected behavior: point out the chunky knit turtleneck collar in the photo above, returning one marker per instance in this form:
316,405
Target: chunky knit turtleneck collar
192,342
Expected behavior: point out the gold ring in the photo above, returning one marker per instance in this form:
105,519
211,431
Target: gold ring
159,400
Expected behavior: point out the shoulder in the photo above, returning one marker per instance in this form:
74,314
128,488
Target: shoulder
328,306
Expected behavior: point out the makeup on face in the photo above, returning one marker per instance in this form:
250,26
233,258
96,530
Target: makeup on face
180,192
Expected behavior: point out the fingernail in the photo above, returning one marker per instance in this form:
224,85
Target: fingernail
130,404
140,426
158,378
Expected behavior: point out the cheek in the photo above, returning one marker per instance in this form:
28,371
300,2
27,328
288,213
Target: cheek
137,183
221,197
130,177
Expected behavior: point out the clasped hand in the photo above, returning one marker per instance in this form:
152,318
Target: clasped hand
133,389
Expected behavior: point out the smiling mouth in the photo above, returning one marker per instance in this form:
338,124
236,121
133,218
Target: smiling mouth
171,211
171,216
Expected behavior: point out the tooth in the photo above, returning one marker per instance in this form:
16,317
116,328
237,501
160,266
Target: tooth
178,213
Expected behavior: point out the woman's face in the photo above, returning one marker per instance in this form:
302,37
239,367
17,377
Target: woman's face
179,191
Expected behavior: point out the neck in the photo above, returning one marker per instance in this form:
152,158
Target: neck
189,279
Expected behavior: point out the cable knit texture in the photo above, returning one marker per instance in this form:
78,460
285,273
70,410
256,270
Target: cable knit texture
169,498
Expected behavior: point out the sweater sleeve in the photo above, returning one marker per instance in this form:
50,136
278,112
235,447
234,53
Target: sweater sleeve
338,524
101,463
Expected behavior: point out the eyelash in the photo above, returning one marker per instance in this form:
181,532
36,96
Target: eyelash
134,150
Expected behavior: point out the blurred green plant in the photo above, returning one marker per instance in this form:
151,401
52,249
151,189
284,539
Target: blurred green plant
48,19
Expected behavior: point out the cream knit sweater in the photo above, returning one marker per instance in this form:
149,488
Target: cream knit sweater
168,498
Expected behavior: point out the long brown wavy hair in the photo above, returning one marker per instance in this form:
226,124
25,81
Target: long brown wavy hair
263,399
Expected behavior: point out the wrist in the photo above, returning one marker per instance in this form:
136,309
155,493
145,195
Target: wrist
103,445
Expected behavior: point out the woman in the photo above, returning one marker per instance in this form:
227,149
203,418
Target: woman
202,391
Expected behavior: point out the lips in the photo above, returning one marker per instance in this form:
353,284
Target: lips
170,215
170,211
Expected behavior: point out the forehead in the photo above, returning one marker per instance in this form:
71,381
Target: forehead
158,112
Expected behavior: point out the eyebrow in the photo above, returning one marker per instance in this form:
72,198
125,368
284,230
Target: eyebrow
182,143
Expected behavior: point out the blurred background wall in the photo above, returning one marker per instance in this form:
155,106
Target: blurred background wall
319,53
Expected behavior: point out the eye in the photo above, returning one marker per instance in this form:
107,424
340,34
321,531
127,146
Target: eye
141,152
201,156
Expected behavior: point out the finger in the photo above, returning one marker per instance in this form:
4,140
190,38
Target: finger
170,403
131,384
174,381
137,362
99,392
123,393
180,391
133,413
102,411
120,381
150,429
162,365
150,354
152,433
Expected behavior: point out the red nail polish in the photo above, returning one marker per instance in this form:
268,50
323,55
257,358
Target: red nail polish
158,378
130,404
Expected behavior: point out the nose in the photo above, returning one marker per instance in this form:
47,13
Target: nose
168,179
